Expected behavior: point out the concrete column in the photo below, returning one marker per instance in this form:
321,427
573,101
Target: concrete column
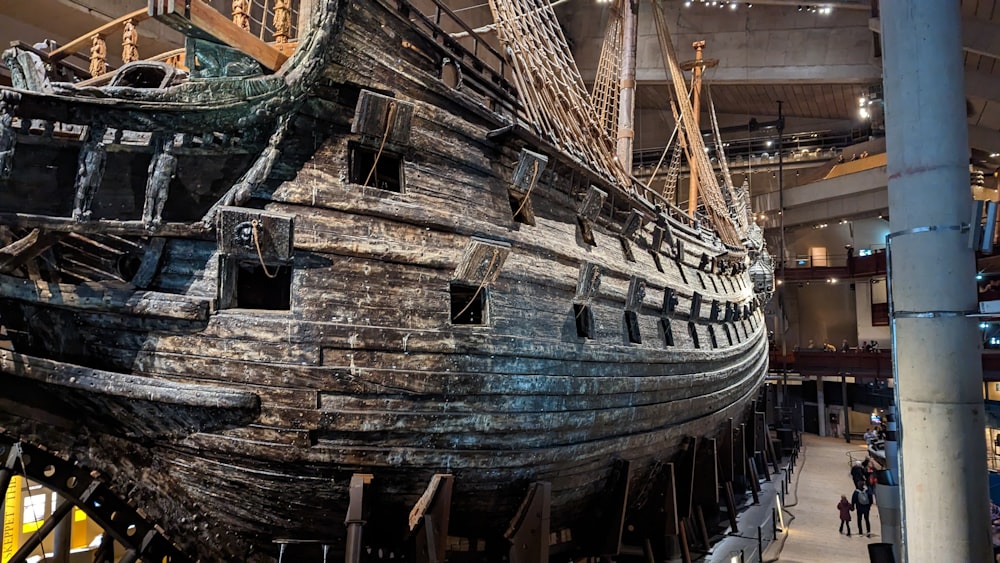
821,406
945,498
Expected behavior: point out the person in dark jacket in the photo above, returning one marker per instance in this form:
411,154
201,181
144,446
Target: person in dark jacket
857,472
845,514
862,502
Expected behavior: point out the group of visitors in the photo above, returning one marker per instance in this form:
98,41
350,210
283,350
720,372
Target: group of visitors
876,436
869,346
845,346
862,499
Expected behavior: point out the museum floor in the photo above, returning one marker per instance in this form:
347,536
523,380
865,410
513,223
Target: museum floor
821,477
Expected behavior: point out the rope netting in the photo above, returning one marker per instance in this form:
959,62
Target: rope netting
605,90
553,93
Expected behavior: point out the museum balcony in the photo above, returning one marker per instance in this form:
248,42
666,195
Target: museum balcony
813,363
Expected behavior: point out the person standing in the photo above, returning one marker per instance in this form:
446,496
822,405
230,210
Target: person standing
834,424
857,472
845,514
862,503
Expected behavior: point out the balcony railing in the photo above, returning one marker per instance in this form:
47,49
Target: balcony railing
858,364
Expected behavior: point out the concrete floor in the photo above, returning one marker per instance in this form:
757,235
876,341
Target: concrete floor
822,475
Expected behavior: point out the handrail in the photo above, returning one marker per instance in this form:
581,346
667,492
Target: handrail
106,29
472,33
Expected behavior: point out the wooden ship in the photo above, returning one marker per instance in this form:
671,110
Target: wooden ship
385,277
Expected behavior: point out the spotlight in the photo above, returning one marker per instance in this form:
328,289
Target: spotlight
732,6
769,142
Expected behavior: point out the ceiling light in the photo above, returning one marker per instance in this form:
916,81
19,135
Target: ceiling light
687,4
732,6
769,142
994,154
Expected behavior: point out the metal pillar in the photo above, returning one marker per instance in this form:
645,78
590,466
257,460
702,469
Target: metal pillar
845,412
821,406
354,521
783,296
932,286
61,537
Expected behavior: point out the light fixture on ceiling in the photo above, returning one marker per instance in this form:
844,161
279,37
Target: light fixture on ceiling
994,154
769,142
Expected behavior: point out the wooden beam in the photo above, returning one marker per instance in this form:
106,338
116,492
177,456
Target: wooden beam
15,254
126,386
207,22
429,520
104,226
100,297
529,530
105,30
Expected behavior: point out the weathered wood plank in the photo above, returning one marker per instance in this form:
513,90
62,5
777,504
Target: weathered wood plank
98,297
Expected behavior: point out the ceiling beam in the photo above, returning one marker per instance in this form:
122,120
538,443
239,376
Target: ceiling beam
978,84
984,139
836,4
780,74
978,36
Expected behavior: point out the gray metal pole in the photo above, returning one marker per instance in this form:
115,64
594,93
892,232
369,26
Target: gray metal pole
845,412
61,540
936,348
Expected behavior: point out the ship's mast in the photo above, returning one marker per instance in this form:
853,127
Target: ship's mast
626,94
696,67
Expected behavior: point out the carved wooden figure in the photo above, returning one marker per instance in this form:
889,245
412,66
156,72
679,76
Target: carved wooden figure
241,14
282,21
98,55
130,39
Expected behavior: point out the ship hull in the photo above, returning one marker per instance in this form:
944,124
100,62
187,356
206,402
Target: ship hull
359,365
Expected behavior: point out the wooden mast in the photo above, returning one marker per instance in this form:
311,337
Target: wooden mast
696,67
626,95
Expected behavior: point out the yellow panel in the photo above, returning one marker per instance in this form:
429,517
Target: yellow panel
29,527
11,514
993,390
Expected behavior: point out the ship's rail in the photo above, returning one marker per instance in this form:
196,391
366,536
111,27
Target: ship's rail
489,67
273,21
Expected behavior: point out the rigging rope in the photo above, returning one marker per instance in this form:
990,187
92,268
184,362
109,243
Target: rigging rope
715,205
486,276
385,135
729,191
531,186
255,225
552,90
605,90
